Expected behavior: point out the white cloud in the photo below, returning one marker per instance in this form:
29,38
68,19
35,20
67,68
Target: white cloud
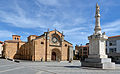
17,17
44,20
76,35
21,20
49,2
111,29
112,26
65,15
73,30
5,34
57,25
79,20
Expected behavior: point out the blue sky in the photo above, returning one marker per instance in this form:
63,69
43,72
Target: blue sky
74,17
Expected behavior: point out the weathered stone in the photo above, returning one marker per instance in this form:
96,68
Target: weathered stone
50,46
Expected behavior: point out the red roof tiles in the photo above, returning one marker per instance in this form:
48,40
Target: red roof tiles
114,36
1,42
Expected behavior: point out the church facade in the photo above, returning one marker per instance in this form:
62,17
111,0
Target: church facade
50,46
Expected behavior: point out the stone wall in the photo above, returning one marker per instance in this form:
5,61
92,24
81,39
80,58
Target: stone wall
10,50
40,49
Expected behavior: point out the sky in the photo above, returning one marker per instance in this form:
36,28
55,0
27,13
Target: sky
76,18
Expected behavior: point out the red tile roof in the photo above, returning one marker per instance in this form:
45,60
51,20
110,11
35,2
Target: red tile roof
13,41
16,35
34,35
85,46
1,42
114,36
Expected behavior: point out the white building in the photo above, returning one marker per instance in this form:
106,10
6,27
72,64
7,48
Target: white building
113,47
1,48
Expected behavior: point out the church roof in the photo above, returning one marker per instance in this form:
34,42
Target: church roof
57,31
34,35
68,42
12,41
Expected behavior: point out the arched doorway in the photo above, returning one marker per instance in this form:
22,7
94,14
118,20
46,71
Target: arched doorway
55,55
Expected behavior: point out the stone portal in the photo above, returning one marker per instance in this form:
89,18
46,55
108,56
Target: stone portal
56,55
53,56
97,47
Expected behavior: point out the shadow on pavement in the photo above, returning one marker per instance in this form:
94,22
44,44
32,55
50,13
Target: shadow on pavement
66,66
73,66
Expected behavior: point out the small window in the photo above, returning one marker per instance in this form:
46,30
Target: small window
85,48
112,50
112,43
42,42
65,44
15,38
84,52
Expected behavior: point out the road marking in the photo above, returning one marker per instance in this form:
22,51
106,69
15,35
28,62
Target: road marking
11,69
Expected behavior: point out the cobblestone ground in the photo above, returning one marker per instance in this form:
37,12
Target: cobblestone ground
28,67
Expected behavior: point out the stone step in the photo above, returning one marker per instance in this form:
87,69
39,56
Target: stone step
98,60
91,64
105,65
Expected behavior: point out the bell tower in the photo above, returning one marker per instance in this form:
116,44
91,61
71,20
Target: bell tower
16,37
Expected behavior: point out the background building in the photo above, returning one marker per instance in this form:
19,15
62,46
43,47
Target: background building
1,48
50,46
82,52
113,48
11,47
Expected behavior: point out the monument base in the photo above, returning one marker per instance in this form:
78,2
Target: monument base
104,63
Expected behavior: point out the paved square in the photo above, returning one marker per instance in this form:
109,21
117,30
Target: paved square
28,67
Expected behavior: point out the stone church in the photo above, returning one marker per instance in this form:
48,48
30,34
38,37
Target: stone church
49,46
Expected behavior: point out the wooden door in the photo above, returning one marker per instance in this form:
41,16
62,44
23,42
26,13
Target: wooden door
53,56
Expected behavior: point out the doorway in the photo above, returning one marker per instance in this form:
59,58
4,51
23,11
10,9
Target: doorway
53,56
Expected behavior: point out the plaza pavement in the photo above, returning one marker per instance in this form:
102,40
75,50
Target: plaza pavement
29,67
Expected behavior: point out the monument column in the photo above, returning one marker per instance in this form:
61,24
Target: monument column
97,45
97,22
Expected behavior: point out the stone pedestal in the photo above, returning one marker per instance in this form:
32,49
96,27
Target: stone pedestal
104,63
97,53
